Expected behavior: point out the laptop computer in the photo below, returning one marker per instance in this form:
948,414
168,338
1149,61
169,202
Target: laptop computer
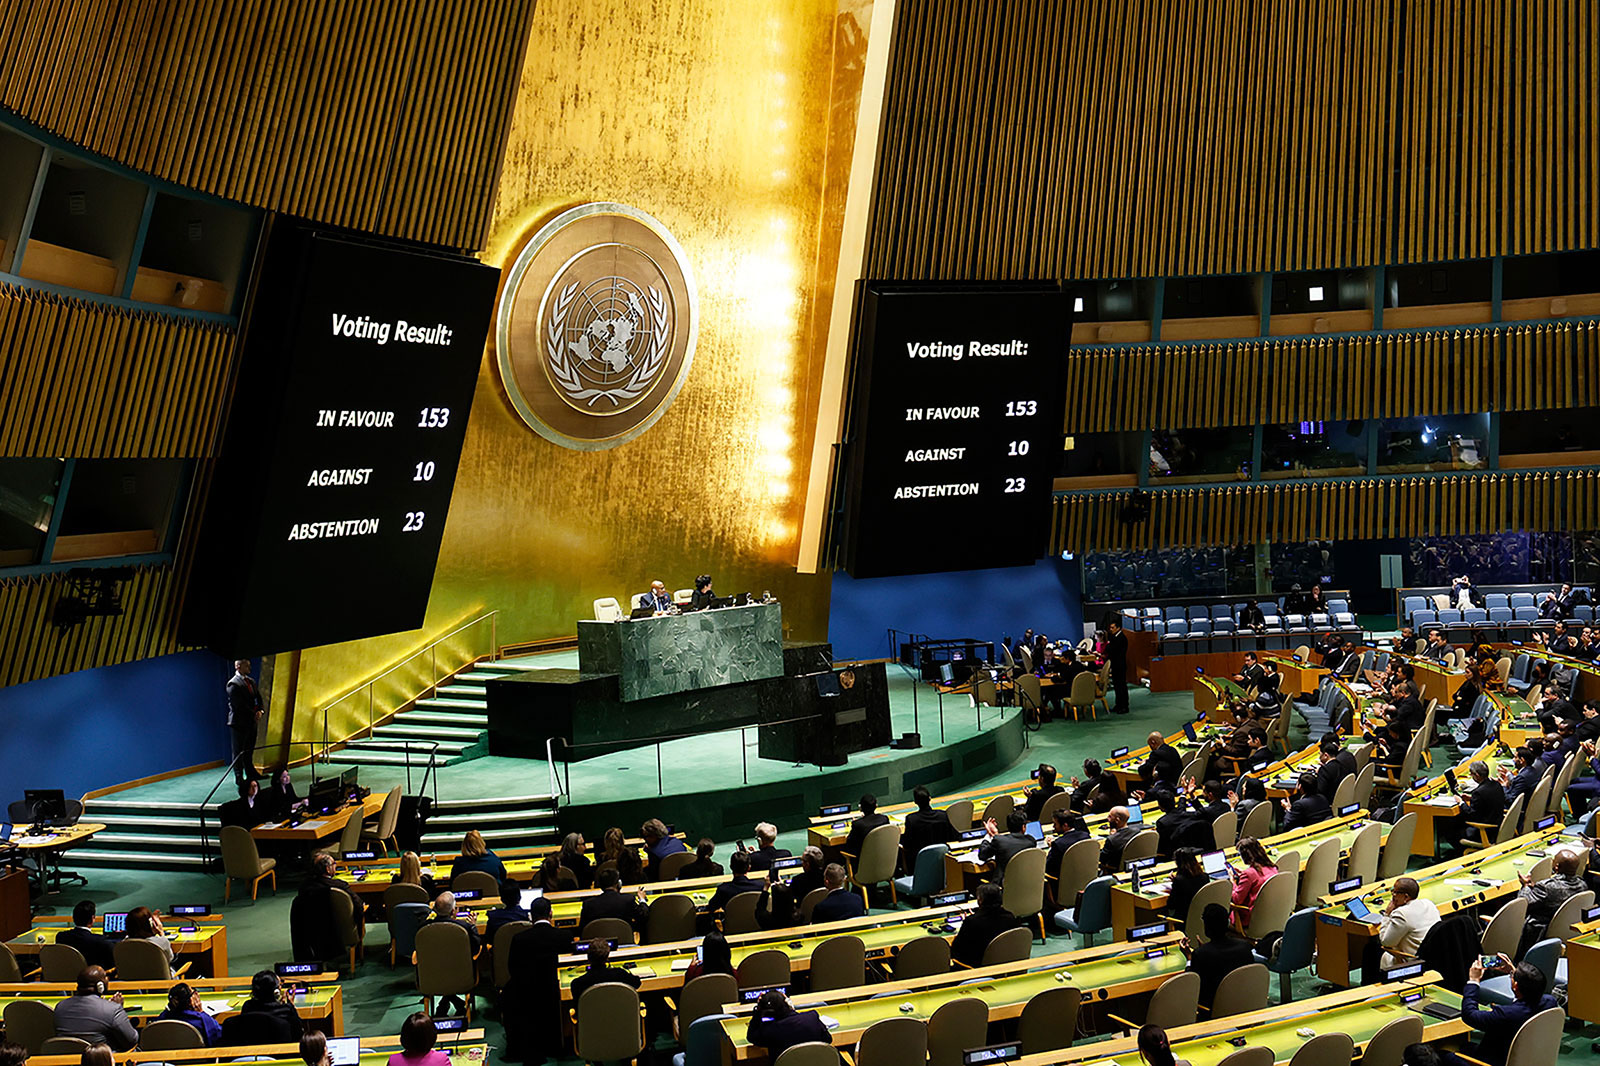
1135,814
1188,731
529,895
344,1050
1450,780
1215,865
5,832
645,611
1358,910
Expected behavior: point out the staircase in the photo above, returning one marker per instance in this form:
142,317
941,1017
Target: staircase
504,821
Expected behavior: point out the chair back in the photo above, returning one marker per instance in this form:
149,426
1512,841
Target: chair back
1027,657
60,963
1142,846
894,1042
1258,823
927,871
1504,931
999,809
621,930
960,815
984,694
1567,915
702,1042
444,960
1084,692
1512,819
609,1024
1289,862
29,1023
404,921
344,918
1533,1042
1538,801
809,903
606,609
702,996
1270,912
760,968
1363,861
880,853
1397,848
1541,869
739,913
1079,865
838,962
399,893
170,1034
1176,1002
1569,770
388,817
1049,1020
671,917
673,865
923,957
1363,756
10,971
811,1053
1013,945
1325,1049
1023,888
1094,910
1388,1045
1059,801
1344,793
502,951
64,1045
1321,870
479,880
1225,830
1298,943
1241,991
140,960
1545,956
1366,779
955,1027
1030,693
1218,892
350,835
240,857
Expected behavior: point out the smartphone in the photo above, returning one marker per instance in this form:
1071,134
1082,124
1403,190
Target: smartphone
1489,962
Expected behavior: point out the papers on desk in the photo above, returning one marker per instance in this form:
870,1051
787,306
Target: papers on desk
681,964
315,824
32,842
215,1007
831,1022
1442,801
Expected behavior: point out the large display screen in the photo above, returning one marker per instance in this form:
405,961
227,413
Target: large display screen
326,510
956,426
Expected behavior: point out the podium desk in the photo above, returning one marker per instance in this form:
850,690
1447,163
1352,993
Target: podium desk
684,652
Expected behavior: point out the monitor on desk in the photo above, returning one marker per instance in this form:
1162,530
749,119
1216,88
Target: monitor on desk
947,673
349,779
46,805
1215,864
114,923
5,832
828,684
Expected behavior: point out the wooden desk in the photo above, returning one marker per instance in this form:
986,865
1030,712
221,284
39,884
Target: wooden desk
371,878
1435,681
208,947
1297,677
55,839
1583,973
1125,768
1360,1012
832,832
1483,877
1108,974
16,910
322,1006
1434,801
321,827
468,1050
567,907
1518,721
660,967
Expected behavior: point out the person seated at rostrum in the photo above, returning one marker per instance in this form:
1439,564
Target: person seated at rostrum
94,1014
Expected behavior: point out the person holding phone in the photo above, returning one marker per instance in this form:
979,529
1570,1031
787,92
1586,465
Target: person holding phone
1499,1024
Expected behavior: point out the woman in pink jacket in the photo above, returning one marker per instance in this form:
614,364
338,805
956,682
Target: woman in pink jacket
1247,882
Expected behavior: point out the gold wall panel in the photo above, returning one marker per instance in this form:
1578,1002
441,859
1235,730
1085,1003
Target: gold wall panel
1109,138
91,381
382,115
719,120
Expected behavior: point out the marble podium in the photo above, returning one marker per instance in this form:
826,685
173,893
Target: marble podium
685,652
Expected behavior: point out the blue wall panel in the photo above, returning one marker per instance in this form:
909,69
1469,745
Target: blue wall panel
984,604
94,728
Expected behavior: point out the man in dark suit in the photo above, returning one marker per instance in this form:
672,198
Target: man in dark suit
1223,952
1526,777
809,879
244,711
1333,770
1308,806
1117,655
776,1026
600,972
658,599
766,851
609,902
1000,847
839,903
313,931
1037,796
739,863
1486,805
1499,1024
1164,764
870,819
444,910
95,948
924,826
533,1029
274,1020
982,925
1121,833
658,844
1216,801
1251,673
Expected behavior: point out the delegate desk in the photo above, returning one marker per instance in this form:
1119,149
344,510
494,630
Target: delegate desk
963,868
1434,800
46,848
1482,877
464,1049
1436,681
832,831
1583,973
1518,721
660,967
320,827
1358,1012
1105,975
1125,768
207,947
1298,676
372,877
1214,697
567,907
321,1005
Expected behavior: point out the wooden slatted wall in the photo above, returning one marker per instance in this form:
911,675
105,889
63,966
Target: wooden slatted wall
387,116
92,381
1362,508
31,648
1112,138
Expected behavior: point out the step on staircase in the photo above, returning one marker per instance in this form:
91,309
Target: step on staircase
150,835
504,821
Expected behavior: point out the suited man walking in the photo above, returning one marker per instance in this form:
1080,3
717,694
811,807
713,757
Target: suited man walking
244,712
533,1027
1117,653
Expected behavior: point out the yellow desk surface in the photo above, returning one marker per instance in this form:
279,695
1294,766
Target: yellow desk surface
1215,696
1106,973
322,1003
1125,768
55,839
1358,1012
834,830
208,944
567,907
468,1050
1583,973
1453,886
1435,681
521,865
660,967
320,826
1434,800
1297,677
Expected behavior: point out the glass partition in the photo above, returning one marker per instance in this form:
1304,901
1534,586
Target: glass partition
1433,442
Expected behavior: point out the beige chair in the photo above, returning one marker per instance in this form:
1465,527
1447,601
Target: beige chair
1303,652
1397,848
344,920
955,1027
476,881
1366,781
1532,1044
1541,869
1050,1019
1538,801
762,968
984,693
893,1042
739,913
1507,828
1289,862
1344,793
811,1053
1325,1049
1388,1045
671,917
1241,991
241,861
607,609
1176,1002
1023,888
386,825
1142,846
1567,915
619,930
140,960
880,853
1047,813
1273,905
1504,931
1569,770
838,962
399,893
1030,695
704,995
65,1045
682,597
349,837
1218,892
999,809
60,963
960,815
1225,830
1321,870
1084,694
29,1023
1363,857
1079,866
10,971
170,1035
809,903
1258,823
925,956
673,865
1249,1056
502,951
1013,945
446,965
610,1025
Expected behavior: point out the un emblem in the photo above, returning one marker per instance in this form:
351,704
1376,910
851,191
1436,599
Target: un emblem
596,326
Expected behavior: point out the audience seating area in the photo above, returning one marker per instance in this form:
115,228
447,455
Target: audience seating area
1214,627
1504,616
